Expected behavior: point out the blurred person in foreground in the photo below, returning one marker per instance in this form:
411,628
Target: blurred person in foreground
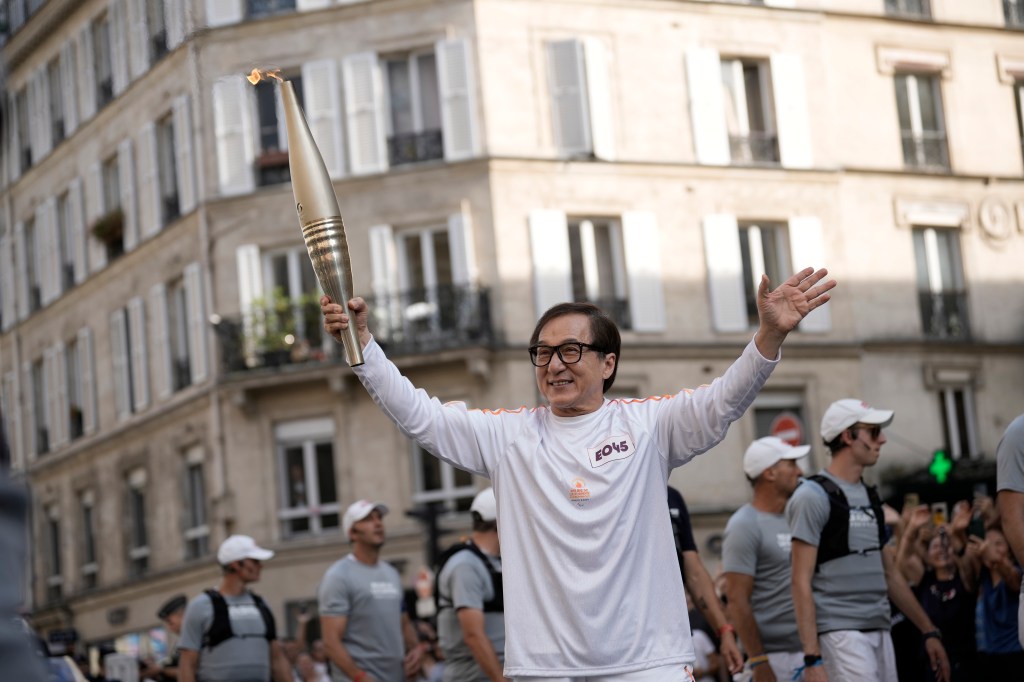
580,482
755,561
1010,496
171,613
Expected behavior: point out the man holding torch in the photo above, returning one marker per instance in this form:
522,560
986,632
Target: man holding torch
580,483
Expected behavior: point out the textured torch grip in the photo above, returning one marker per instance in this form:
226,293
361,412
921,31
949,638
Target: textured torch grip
328,252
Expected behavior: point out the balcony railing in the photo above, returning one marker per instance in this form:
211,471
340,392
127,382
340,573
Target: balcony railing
415,147
944,315
414,322
919,9
261,8
926,150
617,309
1013,10
755,148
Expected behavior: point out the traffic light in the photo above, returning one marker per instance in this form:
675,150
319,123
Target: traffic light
941,466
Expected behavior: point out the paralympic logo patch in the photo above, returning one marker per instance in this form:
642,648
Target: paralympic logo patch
579,493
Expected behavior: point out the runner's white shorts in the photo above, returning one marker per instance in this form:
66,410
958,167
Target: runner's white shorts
855,656
667,673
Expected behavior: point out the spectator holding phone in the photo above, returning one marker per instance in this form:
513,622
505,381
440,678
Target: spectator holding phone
999,583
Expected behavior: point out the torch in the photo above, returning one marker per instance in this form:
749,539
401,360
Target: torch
319,215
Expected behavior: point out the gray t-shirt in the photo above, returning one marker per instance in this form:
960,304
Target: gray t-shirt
1010,458
371,598
850,593
466,581
757,544
245,657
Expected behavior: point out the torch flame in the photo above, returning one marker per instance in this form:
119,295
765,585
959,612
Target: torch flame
257,75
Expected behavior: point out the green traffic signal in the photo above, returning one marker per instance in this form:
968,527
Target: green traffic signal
941,466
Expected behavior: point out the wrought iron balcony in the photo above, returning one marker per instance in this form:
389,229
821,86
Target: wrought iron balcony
926,150
415,147
754,149
262,8
409,323
944,315
617,309
918,9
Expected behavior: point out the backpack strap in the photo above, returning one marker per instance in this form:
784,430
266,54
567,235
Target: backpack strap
270,628
220,627
835,536
494,605
876,507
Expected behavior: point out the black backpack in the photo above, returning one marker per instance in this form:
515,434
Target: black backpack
220,628
835,536
495,605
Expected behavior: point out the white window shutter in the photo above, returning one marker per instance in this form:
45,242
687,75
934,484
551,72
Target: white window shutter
462,247
86,365
35,122
86,74
250,276
94,208
794,124
322,99
384,270
12,413
43,120
119,357
139,358
725,273
184,158
195,313
69,86
364,111
138,38
8,310
599,98
61,414
552,270
643,267
20,266
30,411
149,198
126,173
707,107
50,397
14,152
458,99
49,271
569,105
118,46
223,12
174,22
232,113
76,225
164,383
308,5
807,248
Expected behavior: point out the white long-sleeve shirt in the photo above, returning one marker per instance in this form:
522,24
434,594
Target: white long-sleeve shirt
591,580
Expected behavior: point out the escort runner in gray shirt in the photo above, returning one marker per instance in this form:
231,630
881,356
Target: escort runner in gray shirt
468,582
242,658
757,544
1010,484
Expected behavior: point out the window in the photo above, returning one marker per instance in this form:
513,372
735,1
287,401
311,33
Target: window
918,9
262,8
748,105
197,532
580,93
922,126
90,566
56,96
65,242
309,490
440,482
24,138
102,61
599,266
425,280
129,357
111,179
956,405
414,116
940,283
764,248
290,274
272,159
138,538
157,30
54,578
1013,10
75,393
33,269
167,172
177,331
39,408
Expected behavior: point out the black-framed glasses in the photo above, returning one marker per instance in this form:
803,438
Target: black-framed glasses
568,353
873,430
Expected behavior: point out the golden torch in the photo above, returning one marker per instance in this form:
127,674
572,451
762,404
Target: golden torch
319,215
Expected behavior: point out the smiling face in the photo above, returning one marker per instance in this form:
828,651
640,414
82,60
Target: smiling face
578,388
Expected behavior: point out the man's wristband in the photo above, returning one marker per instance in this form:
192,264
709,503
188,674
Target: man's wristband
755,661
360,676
811,660
932,634
726,628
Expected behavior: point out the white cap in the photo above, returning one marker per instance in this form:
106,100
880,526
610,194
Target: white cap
238,547
485,505
765,452
357,511
842,414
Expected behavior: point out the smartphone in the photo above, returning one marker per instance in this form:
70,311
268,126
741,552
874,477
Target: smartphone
980,490
976,527
940,512
911,500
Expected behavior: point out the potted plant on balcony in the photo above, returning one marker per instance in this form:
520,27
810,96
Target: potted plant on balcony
272,328
109,228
